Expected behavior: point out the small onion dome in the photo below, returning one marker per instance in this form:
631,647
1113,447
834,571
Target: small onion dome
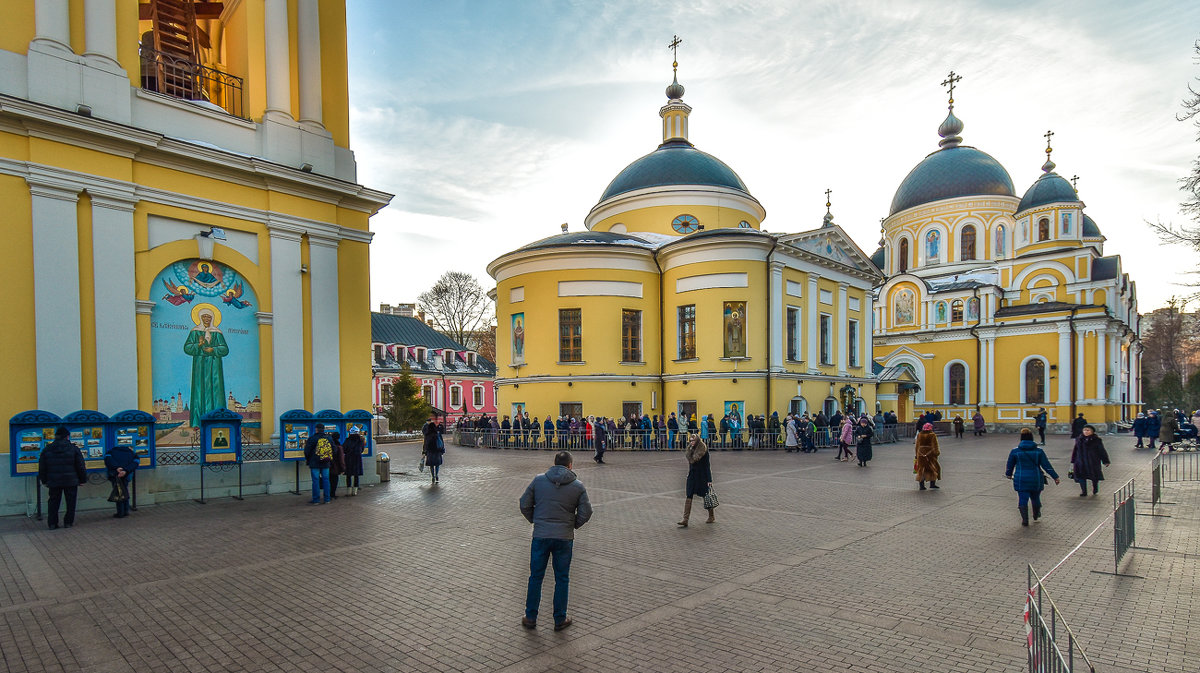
675,90
1048,188
878,258
1090,230
949,131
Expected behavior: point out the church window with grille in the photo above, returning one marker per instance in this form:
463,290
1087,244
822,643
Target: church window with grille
967,244
958,383
570,335
956,311
687,332
1035,381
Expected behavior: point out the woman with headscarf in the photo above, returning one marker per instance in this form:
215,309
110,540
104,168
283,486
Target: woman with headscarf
699,477
980,423
1025,466
845,439
352,453
925,464
1086,459
862,436
433,448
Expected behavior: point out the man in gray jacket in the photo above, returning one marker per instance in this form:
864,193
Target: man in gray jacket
556,503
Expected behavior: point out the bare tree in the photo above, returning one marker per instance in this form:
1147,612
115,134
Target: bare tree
1187,234
487,343
458,307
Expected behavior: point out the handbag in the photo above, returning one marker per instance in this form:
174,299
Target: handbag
440,444
120,492
421,465
1071,474
710,498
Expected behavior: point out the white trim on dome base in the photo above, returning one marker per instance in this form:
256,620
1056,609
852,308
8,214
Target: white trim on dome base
676,195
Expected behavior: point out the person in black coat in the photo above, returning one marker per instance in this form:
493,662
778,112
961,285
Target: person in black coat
121,462
433,448
1077,426
600,439
317,465
61,469
862,436
699,477
352,454
1086,459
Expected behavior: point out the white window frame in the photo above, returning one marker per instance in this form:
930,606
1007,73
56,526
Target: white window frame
966,381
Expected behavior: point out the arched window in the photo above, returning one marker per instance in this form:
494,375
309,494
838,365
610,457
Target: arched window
967,243
1043,230
956,311
902,263
1035,381
958,384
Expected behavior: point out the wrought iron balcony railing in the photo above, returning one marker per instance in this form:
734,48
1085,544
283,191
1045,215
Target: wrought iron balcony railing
181,78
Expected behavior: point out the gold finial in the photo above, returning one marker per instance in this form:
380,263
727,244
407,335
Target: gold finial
950,81
827,201
1047,135
674,47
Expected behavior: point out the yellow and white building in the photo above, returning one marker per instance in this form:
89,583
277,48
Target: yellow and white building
164,160
1002,303
676,300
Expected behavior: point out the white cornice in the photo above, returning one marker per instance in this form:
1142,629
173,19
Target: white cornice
691,195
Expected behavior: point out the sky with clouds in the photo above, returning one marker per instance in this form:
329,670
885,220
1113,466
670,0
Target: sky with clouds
495,122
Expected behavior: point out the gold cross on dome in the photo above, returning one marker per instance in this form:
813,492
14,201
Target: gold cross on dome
827,201
674,47
1047,135
950,81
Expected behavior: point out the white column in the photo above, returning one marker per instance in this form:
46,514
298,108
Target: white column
56,323
115,296
1064,365
287,319
813,301
326,351
991,364
842,325
1114,366
1101,365
1080,363
982,370
52,21
308,44
100,28
278,62
775,289
868,339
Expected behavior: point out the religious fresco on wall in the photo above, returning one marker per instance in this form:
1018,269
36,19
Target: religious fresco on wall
1000,241
904,307
972,309
734,411
1066,223
933,242
1025,230
735,329
518,338
204,349
940,312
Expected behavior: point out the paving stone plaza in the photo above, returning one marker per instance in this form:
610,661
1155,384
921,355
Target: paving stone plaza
813,565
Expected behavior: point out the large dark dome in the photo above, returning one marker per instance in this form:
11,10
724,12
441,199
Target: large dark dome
952,172
1048,188
675,162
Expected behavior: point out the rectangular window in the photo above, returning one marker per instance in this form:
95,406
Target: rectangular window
570,335
631,410
427,393
385,395
456,396
631,335
687,332
571,409
826,338
852,337
478,395
793,331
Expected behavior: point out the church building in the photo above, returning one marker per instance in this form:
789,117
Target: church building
184,220
1002,303
676,299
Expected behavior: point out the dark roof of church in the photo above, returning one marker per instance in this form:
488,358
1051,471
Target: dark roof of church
949,173
1105,268
879,258
675,162
1044,307
588,238
1048,188
399,329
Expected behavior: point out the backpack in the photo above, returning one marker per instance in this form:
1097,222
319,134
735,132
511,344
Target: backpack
324,450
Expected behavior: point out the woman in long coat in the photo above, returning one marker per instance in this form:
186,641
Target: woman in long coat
845,439
862,435
433,449
338,465
980,423
352,452
1166,431
699,477
1025,466
791,440
925,463
1086,459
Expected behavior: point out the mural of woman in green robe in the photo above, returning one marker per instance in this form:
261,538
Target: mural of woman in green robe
206,344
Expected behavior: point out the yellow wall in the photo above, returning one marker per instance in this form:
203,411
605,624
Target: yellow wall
658,218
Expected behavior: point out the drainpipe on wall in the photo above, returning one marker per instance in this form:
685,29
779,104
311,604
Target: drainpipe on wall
1074,358
662,335
770,319
978,350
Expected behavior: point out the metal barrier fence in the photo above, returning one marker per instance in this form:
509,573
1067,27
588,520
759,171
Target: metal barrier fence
651,440
1180,465
1042,623
1124,530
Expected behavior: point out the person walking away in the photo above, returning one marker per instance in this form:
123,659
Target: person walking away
535,433
61,469
926,466
1153,426
1167,428
724,431
1087,457
808,434
318,455
791,439
352,452
862,435
337,466
979,424
1039,422
699,478
845,439
1025,466
600,437
1077,426
433,448
958,427
556,503
1139,430
121,462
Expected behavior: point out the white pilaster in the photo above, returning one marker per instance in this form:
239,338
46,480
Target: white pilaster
868,341
100,28
1080,363
287,317
278,62
842,325
57,331
983,371
1064,365
1101,365
116,329
777,323
308,44
1115,366
813,301
326,351
991,364
52,21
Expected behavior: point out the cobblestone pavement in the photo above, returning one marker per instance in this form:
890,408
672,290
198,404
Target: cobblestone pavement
813,565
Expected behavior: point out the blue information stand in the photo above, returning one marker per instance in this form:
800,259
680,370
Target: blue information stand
90,432
359,420
295,427
220,445
135,428
28,433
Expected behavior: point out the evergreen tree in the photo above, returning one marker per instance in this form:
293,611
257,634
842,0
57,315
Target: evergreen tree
409,407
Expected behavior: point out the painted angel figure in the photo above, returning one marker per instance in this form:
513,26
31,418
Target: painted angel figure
177,295
233,295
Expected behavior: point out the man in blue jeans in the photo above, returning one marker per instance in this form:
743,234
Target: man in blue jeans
556,503
318,455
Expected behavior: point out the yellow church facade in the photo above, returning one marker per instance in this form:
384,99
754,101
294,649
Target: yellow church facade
1001,303
675,300
171,167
